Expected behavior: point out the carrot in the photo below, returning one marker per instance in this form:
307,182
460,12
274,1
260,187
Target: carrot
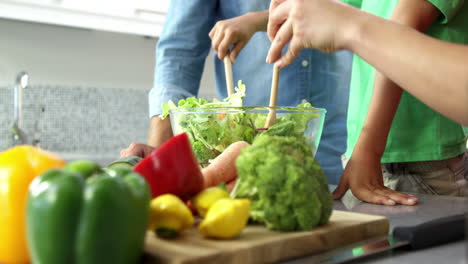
230,185
221,116
223,168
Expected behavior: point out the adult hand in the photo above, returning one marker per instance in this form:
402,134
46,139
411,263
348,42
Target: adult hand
279,16
236,32
319,24
159,132
136,149
364,177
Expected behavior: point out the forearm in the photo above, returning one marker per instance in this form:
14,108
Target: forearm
422,68
417,14
383,106
159,132
260,19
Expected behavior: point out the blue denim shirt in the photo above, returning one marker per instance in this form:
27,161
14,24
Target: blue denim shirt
322,79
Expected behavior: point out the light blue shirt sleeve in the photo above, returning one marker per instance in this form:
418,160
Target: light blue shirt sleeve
181,51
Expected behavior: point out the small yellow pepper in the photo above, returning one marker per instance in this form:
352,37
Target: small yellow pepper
18,167
226,218
206,198
169,216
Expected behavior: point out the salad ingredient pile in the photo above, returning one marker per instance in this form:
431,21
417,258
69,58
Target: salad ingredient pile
174,176
211,132
287,187
53,212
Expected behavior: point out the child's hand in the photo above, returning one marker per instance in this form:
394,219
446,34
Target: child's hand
363,175
236,31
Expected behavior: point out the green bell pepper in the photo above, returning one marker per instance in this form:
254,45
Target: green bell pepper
129,161
83,214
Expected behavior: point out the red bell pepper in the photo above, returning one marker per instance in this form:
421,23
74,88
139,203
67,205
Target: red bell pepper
172,168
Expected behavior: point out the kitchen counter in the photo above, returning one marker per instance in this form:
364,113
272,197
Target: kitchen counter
429,207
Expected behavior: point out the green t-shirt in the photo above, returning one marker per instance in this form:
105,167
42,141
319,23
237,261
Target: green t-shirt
418,133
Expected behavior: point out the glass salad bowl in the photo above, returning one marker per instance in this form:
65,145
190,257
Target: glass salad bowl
213,129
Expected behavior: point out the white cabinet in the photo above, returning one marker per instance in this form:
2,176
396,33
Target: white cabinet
142,17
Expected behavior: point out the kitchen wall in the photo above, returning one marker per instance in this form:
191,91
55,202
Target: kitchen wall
56,55
77,122
105,77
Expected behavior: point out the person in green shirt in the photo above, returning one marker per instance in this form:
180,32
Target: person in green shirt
425,150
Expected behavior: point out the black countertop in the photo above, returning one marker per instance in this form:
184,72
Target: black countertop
430,207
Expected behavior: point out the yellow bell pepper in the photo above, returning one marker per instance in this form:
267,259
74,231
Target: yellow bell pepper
169,216
226,218
206,198
18,167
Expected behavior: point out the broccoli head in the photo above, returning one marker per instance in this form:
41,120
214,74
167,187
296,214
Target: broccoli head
287,187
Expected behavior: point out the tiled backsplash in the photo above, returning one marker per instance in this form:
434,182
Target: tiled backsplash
87,122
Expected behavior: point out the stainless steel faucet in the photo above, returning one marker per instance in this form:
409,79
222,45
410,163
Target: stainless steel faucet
19,137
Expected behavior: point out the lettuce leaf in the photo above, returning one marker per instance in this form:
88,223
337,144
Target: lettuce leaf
234,99
211,133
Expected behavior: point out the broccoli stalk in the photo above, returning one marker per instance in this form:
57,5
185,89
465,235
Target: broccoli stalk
287,187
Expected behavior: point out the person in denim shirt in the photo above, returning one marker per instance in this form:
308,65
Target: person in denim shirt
322,79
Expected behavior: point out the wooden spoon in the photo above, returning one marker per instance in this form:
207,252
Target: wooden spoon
271,119
228,73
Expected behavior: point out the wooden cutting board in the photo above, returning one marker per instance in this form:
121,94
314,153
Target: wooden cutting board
256,244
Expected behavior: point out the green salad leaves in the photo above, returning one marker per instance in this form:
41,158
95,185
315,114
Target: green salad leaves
211,132
192,102
278,173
